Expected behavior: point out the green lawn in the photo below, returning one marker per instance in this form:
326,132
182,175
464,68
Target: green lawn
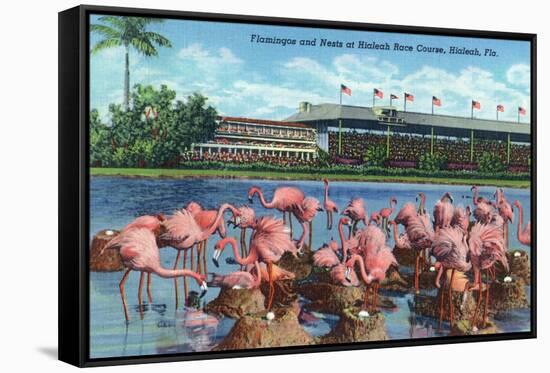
178,173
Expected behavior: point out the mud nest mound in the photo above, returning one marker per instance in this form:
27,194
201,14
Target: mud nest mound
254,331
285,293
236,303
395,282
520,266
504,296
428,305
109,260
300,266
352,328
462,327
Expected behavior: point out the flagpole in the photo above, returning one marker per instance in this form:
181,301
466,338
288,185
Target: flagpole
432,106
472,116
391,99
497,112
404,101
373,99
340,125
518,115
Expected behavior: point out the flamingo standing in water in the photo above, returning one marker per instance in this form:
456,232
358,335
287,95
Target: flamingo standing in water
419,233
183,232
305,213
329,205
484,208
506,211
386,212
356,211
245,220
285,199
204,218
238,279
451,252
149,222
269,241
486,243
376,262
524,234
139,252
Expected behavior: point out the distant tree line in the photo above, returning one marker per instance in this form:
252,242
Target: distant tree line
153,132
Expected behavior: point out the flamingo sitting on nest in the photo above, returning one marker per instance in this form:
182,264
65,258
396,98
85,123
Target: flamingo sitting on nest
237,279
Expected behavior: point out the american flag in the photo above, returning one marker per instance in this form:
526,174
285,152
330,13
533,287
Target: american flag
394,97
345,89
378,93
409,97
500,108
436,101
522,111
476,105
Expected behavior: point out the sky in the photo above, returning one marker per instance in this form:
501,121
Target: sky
261,80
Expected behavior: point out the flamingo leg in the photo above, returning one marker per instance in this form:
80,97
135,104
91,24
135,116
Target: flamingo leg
199,257
451,301
140,291
204,257
478,304
243,245
416,272
185,277
149,293
367,297
486,308
441,301
122,294
271,286
376,285
176,279
310,234
284,217
328,219
290,223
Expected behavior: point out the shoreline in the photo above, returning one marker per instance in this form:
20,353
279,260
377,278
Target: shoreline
270,175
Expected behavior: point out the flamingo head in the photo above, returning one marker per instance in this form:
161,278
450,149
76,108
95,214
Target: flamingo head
517,204
448,196
218,249
193,208
161,217
393,201
375,218
325,180
204,288
345,220
473,188
251,192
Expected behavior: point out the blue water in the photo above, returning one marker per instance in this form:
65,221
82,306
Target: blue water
115,201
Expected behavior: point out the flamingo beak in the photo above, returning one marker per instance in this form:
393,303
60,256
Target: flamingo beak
348,274
204,289
250,200
320,209
216,256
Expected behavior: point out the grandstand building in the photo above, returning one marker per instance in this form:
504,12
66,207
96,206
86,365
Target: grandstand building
237,135
389,120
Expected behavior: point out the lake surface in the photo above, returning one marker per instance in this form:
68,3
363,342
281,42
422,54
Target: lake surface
115,201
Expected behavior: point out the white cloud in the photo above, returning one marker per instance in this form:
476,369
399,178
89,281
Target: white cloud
519,75
195,52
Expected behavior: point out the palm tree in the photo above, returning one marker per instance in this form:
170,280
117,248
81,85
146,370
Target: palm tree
128,32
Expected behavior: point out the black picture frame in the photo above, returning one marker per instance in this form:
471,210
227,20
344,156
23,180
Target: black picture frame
74,183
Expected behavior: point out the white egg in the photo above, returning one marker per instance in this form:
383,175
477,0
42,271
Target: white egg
363,314
507,279
109,232
270,316
432,269
517,254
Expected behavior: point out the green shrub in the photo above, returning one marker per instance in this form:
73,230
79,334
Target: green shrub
432,162
489,162
375,155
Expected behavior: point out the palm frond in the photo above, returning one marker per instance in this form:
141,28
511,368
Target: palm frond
116,21
106,43
105,31
144,46
158,39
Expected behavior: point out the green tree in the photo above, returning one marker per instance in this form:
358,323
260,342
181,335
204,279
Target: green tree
375,155
489,162
100,141
432,162
128,32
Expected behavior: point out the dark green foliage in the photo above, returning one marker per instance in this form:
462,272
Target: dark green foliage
135,140
375,155
489,162
432,162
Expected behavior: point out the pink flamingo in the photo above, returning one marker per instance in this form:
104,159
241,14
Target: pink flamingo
348,244
376,262
505,210
419,233
461,218
245,220
356,211
443,212
329,205
326,257
149,222
269,241
486,243
238,279
278,273
305,213
386,212
484,208
402,240
451,252
183,232
524,235
285,199
139,252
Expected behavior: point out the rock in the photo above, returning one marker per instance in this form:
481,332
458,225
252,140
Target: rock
236,303
330,298
301,266
352,328
520,266
405,257
110,260
394,281
254,331
507,295
428,305
462,327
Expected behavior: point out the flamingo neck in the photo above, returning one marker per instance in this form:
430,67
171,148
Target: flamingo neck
326,192
475,196
357,258
265,204
251,258
206,233
520,222
171,273
305,231
395,235
258,279
342,240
